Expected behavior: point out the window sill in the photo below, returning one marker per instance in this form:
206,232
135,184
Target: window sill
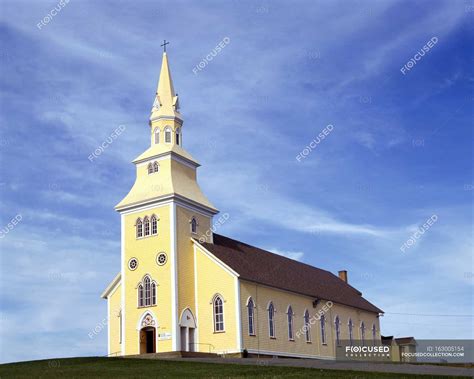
273,338
151,235
219,331
252,335
324,344
308,342
146,306
291,340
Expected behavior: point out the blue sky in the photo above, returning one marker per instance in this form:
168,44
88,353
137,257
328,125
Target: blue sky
400,150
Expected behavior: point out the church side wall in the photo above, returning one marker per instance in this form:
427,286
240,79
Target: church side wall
114,307
212,279
262,342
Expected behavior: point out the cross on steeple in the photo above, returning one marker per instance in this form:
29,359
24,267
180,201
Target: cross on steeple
164,45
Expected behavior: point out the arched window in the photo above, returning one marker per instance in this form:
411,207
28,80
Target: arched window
139,228
351,337
150,168
271,320
362,333
218,306
290,323
146,224
157,135
337,324
147,290
374,334
178,136
141,296
194,225
168,134
156,166
250,313
154,225
307,326
323,329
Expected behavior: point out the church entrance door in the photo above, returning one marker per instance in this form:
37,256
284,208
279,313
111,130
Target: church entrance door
148,340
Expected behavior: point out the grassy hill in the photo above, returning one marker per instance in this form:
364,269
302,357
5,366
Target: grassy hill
149,368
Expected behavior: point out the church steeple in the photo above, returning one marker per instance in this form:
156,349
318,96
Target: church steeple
166,102
166,169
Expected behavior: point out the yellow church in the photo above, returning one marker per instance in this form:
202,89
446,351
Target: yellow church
183,288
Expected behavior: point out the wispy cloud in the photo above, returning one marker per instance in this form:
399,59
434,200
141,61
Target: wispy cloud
296,255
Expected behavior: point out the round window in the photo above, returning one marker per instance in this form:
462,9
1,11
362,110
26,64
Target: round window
161,259
133,263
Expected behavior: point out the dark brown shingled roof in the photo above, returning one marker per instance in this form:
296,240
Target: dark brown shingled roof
260,266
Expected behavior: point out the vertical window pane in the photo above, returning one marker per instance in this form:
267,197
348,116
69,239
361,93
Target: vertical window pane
218,314
146,223
350,331
323,329
271,325
147,291
139,228
307,326
290,323
154,225
250,316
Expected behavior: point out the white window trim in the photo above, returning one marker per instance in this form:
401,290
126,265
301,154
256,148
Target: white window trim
308,324
350,331
292,337
322,325
170,130
337,327
143,227
214,298
156,132
273,319
177,137
146,220
253,316
138,221
151,224
191,225
142,283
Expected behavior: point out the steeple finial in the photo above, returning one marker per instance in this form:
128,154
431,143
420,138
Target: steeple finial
164,45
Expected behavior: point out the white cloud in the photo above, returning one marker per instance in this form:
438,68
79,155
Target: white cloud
296,255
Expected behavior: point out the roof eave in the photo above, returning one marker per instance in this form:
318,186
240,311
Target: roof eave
115,281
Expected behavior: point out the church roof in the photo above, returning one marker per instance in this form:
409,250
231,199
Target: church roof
157,150
260,266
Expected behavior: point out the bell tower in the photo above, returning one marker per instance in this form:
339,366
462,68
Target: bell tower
163,211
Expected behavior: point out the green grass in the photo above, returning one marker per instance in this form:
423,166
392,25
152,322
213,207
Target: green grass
149,368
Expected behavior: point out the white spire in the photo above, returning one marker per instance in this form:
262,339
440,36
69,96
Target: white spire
166,101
